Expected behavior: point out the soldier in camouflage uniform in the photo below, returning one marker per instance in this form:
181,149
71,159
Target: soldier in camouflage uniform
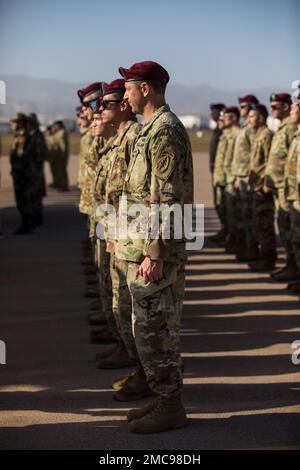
50,153
87,96
21,171
109,332
247,245
160,171
292,191
60,154
219,181
117,357
263,210
280,105
86,140
216,109
89,159
85,143
39,154
231,123
93,180
110,179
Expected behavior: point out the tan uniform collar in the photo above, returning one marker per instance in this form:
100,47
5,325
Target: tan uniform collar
120,136
284,122
156,115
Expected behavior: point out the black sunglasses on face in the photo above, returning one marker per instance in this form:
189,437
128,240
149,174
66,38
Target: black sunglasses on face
276,106
105,103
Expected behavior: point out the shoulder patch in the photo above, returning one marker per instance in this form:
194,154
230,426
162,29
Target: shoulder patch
164,165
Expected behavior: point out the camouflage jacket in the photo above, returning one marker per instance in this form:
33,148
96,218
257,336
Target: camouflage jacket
215,138
101,174
259,156
278,154
219,174
60,145
39,148
85,143
117,169
231,139
292,169
86,204
160,172
50,146
242,151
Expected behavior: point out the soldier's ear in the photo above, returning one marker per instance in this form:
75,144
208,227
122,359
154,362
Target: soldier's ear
124,105
145,88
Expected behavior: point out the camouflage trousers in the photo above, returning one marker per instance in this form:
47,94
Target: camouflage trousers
122,305
92,224
156,319
23,197
220,205
263,212
230,203
62,173
105,287
295,230
244,215
284,222
54,172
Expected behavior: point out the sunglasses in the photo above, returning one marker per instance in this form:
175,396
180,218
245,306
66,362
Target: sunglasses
88,104
105,104
242,106
276,107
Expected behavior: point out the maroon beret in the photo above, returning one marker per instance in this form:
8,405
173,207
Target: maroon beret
248,99
232,110
218,106
261,108
281,97
146,70
116,86
93,91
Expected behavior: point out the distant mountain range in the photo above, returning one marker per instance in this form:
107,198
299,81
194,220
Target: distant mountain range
52,99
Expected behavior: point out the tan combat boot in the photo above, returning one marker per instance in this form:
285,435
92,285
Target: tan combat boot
119,383
107,352
134,388
117,360
102,336
137,413
288,273
167,413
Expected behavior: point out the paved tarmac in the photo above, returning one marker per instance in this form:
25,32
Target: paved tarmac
241,387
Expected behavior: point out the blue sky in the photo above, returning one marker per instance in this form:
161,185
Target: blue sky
227,44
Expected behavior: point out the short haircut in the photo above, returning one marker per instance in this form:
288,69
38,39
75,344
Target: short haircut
159,86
